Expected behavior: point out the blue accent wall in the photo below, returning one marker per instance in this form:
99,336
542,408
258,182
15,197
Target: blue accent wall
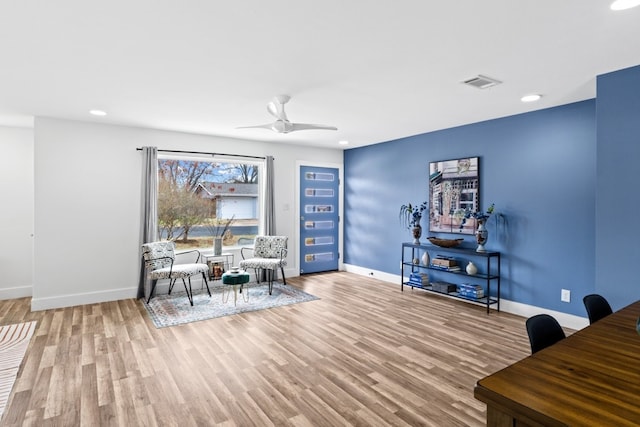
618,198
538,168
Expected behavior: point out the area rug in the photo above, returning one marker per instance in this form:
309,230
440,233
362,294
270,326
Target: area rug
170,310
14,340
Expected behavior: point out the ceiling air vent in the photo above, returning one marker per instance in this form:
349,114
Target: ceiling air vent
482,82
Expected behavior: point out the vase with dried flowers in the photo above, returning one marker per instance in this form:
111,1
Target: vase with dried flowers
482,234
219,228
410,216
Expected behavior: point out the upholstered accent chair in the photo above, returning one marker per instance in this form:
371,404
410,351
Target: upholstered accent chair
267,255
159,258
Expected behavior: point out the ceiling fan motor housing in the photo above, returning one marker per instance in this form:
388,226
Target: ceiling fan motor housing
281,126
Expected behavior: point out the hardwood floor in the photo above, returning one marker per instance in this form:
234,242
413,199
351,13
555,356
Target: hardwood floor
364,354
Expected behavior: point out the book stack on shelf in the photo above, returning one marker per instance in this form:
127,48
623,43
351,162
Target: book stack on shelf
470,291
443,262
419,279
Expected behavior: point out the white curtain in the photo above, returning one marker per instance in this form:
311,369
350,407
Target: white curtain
149,212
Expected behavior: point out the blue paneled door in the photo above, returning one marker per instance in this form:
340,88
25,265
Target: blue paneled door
318,219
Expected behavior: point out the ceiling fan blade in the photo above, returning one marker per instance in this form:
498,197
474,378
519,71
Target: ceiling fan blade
276,109
279,126
308,126
265,126
272,109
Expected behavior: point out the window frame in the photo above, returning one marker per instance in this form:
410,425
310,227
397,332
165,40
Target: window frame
260,164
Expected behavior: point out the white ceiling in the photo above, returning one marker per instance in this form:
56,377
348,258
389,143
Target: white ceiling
378,70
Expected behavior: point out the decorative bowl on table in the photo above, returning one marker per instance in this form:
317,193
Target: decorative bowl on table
445,243
234,270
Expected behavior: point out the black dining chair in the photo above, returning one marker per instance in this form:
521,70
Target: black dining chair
597,307
544,330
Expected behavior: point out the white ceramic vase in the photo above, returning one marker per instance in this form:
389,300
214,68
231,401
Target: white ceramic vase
471,268
425,258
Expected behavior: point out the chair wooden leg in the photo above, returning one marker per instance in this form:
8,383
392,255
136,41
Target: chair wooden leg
283,279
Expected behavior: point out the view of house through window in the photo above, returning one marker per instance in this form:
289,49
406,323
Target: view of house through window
200,200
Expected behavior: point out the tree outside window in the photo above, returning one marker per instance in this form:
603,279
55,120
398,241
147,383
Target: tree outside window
198,200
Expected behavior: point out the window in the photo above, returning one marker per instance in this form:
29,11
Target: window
199,200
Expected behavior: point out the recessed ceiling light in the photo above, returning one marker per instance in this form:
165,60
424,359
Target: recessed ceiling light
97,113
530,98
343,142
624,4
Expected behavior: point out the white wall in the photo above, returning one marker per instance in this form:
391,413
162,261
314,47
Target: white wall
16,212
87,204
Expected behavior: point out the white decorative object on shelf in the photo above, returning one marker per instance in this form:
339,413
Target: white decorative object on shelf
425,259
471,268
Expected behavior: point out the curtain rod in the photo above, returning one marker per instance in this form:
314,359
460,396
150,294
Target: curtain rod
209,154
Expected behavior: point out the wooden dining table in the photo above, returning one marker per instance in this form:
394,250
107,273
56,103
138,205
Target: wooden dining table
590,378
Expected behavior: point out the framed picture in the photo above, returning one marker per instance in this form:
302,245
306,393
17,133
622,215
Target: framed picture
453,189
216,269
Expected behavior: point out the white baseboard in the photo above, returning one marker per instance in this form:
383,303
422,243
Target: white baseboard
15,292
71,300
291,272
381,275
519,309
81,299
567,320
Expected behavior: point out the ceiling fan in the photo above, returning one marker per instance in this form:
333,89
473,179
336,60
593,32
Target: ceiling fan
282,124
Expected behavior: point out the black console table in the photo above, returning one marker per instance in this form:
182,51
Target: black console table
488,264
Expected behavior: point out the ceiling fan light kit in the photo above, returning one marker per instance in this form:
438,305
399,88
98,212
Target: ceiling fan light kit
282,124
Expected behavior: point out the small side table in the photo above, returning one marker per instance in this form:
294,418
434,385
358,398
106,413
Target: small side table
235,280
224,260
